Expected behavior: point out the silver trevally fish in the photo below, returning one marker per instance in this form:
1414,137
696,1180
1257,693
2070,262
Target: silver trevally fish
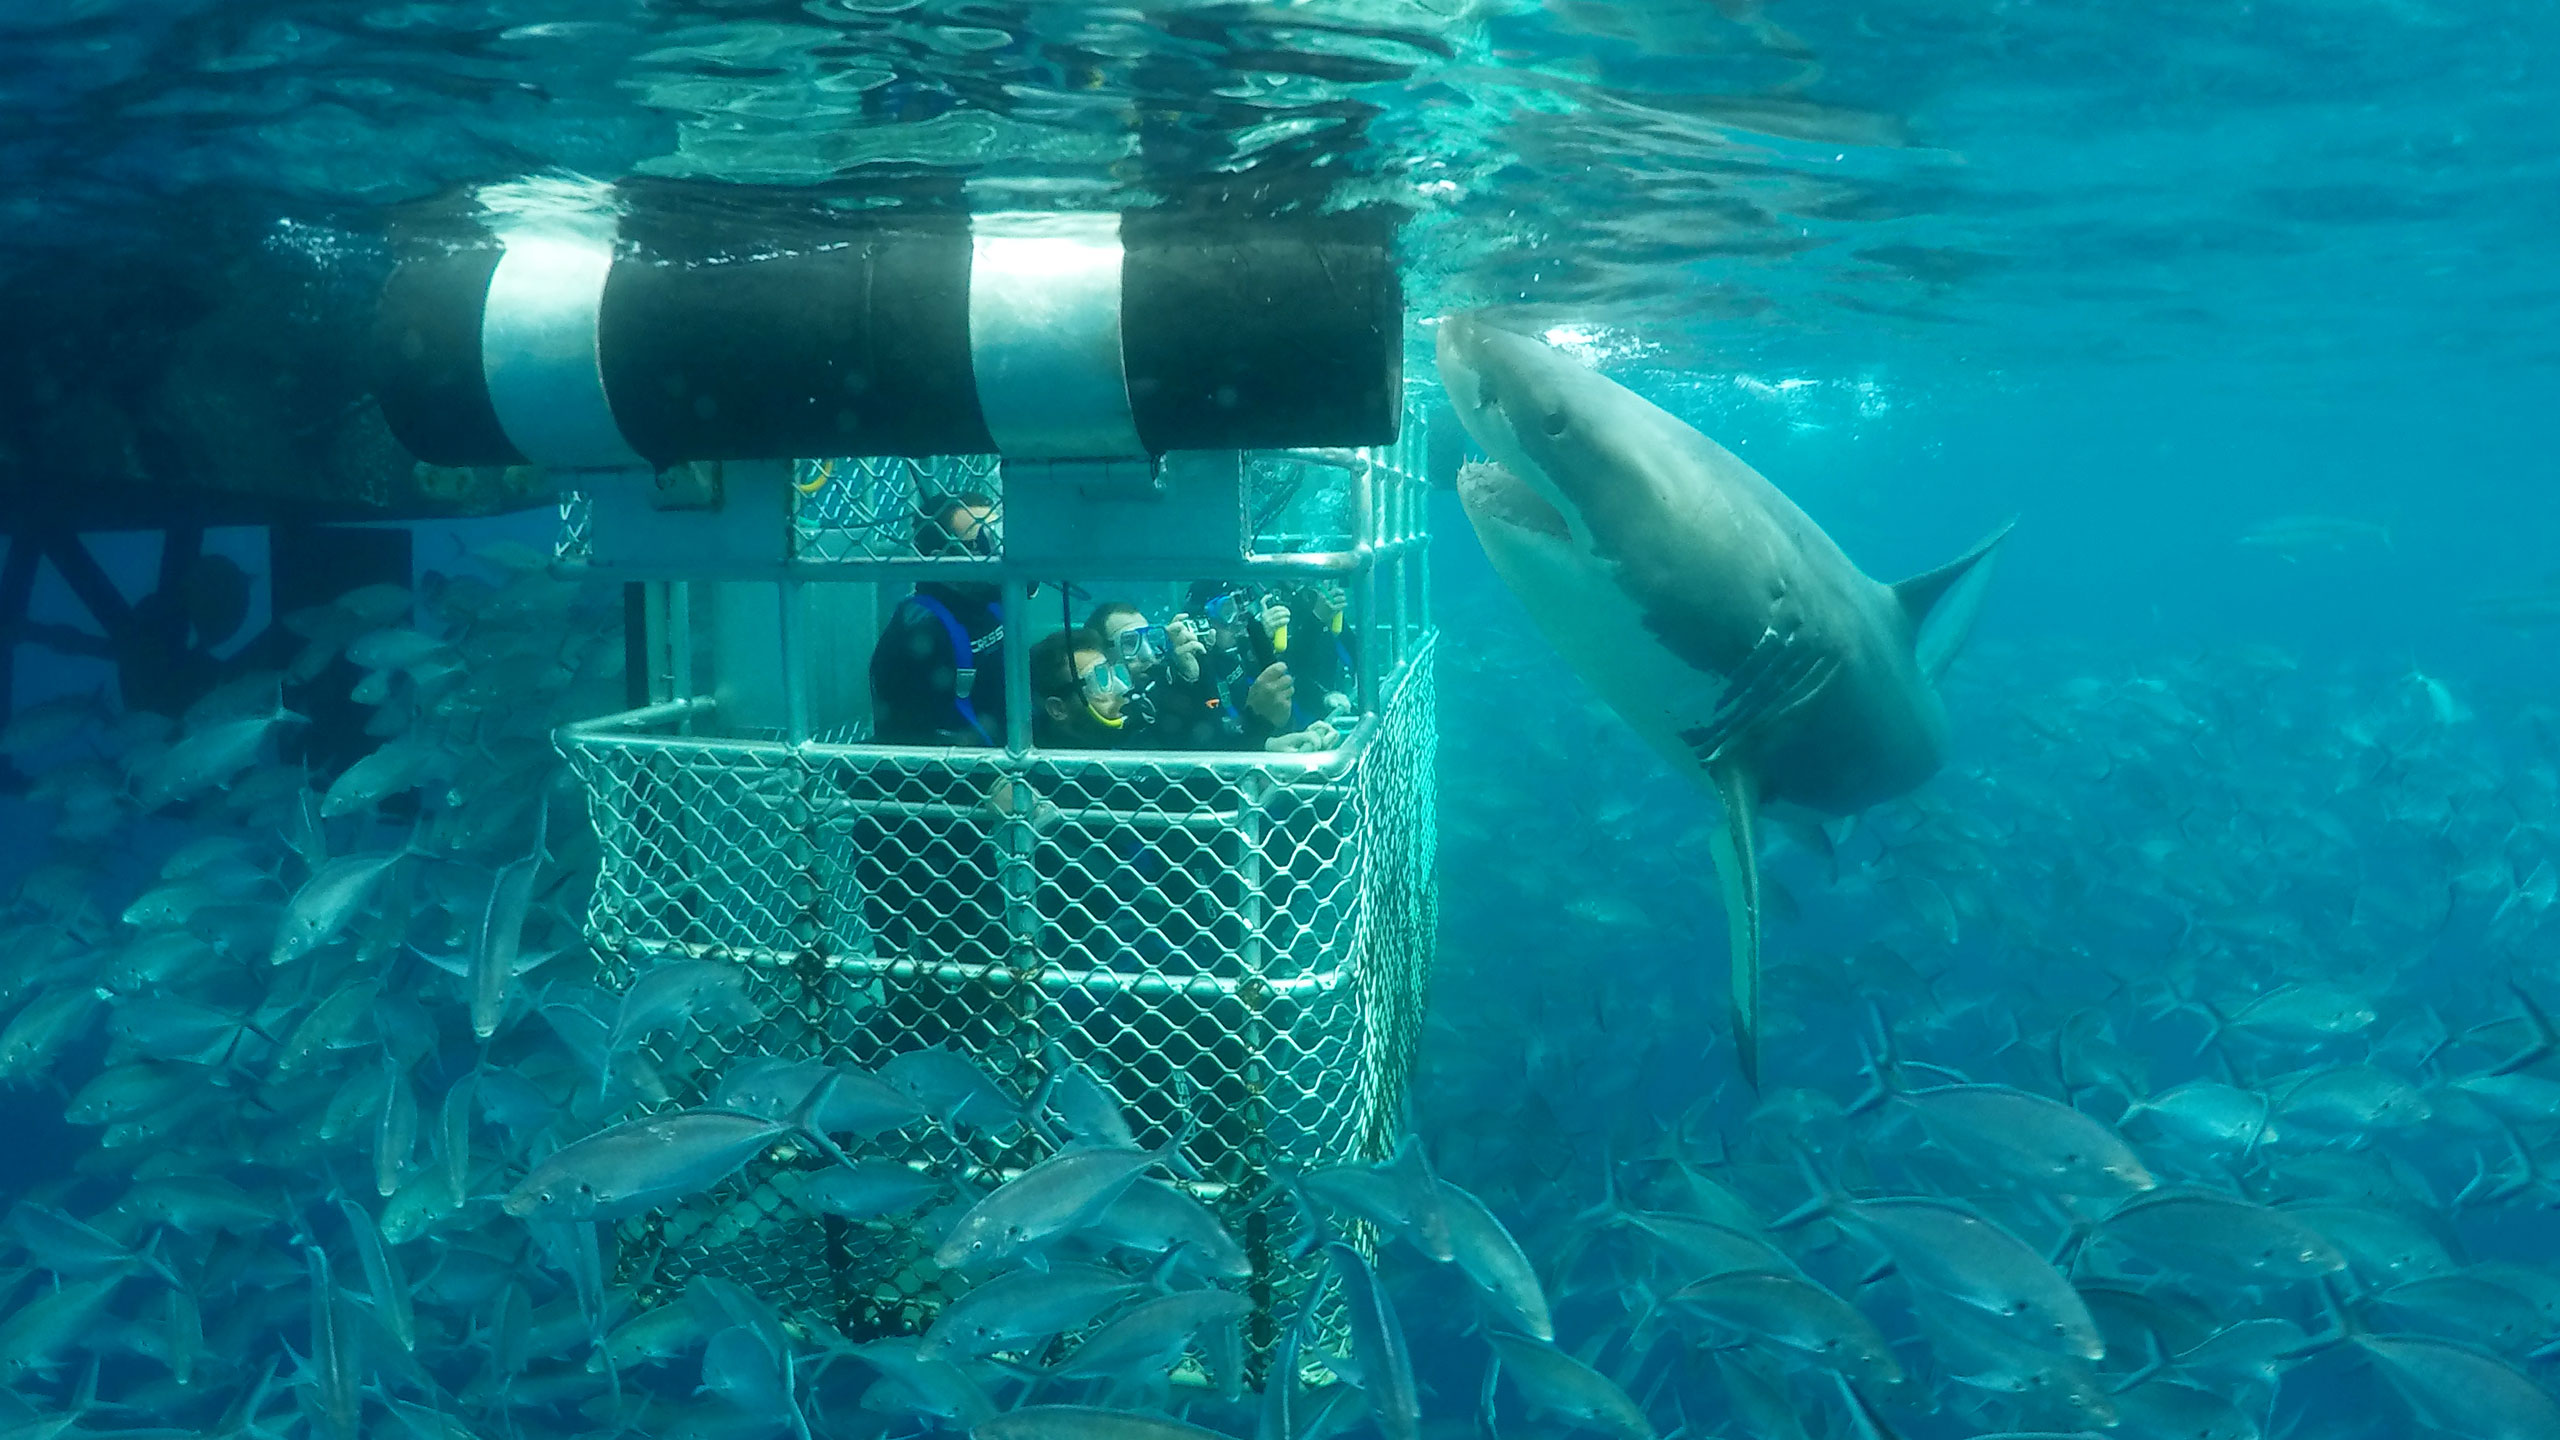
641,1164
1960,1255
1712,614
1560,1385
1062,1193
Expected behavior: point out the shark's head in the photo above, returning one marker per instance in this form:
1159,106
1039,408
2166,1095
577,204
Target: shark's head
1563,430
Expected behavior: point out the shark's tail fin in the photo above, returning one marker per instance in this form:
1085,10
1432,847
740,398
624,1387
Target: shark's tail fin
1942,604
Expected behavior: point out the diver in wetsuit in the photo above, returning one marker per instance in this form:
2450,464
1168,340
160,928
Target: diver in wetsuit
937,675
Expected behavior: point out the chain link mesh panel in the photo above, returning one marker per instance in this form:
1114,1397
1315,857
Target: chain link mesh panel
1247,935
868,508
1299,501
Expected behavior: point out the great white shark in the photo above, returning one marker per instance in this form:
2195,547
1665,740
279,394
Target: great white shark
1709,611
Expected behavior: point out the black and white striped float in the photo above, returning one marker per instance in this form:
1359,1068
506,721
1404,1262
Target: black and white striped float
1037,336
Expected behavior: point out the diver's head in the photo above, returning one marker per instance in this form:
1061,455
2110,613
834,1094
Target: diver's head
1082,691
1220,612
1127,638
962,524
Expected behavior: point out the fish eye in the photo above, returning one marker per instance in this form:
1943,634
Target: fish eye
1553,422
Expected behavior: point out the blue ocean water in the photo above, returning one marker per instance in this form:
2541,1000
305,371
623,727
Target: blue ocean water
2234,308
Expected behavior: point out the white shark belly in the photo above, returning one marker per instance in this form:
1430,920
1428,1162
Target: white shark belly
1586,614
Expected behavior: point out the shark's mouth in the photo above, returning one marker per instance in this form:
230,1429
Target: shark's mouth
1492,493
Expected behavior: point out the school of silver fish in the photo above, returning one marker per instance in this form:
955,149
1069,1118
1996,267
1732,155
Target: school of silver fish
2175,1067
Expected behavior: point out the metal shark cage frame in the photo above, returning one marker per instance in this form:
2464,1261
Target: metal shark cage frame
1247,936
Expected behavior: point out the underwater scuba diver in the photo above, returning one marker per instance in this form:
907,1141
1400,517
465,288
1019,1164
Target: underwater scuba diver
1138,897
1250,634
1244,662
1177,702
1321,653
937,678
936,673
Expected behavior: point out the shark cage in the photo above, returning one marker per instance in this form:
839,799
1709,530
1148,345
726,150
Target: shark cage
1235,942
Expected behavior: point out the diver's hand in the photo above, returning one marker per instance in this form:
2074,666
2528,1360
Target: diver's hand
1272,694
1001,799
1187,648
1316,737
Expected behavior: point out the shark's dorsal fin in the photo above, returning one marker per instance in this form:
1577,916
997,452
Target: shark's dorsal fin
1737,852
1942,604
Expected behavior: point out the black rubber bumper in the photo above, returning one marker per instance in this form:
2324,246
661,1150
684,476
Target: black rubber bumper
1234,334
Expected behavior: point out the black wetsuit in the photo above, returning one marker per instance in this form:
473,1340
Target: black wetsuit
1196,714
1324,661
915,697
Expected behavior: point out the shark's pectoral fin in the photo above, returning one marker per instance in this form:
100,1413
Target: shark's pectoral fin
1943,603
1783,671
1737,854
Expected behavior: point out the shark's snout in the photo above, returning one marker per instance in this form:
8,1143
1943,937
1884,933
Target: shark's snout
1499,380
1460,373
1481,366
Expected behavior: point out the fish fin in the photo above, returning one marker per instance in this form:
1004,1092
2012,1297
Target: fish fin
1317,1232
2154,1362
1942,604
1824,1198
1876,1061
803,1118
1176,1162
1160,1275
84,1392
1866,1422
2542,1043
2066,1251
1738,869
2344,1327
151,1261
1781,672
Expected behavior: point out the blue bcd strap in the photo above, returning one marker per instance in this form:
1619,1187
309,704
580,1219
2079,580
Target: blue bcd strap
964,668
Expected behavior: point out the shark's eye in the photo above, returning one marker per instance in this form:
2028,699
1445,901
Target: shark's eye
1553,421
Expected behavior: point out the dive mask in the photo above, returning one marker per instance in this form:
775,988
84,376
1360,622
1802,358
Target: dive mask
1140,645
1104,681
